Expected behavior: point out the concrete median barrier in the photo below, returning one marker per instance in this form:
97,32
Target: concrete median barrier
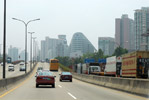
131,85
4,83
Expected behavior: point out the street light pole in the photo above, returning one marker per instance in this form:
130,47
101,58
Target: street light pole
4,40
31,50
26,24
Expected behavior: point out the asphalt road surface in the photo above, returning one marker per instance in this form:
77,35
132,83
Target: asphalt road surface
75,90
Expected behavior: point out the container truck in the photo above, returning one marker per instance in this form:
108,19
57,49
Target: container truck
85,67
79,68
135,64
113,66
92,68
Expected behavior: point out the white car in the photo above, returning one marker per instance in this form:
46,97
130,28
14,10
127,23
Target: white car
22,63
11,67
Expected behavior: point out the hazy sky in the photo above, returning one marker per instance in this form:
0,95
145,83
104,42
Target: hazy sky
95,18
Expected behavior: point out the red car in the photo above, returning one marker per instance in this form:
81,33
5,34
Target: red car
45,78
66,76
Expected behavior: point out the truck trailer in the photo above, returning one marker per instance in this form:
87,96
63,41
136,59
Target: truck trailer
113,66
135,64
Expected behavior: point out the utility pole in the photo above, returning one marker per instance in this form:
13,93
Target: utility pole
31,50
4,41
26,25
34,48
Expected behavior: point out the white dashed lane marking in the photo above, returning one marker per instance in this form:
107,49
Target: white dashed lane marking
60,86
72,95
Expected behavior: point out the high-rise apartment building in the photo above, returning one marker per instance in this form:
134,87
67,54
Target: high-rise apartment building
141,19
22,55
80,45
43,50
106,44
13,53
62,48
51,47
124,32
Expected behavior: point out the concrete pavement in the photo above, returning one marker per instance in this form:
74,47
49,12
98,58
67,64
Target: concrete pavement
75,90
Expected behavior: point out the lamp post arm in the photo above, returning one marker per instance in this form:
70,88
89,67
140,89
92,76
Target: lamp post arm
32,21
19,20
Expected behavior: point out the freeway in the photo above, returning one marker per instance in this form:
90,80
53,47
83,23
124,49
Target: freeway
17,71
76,90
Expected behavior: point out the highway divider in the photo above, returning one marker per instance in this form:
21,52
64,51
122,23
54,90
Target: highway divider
4,83
131,85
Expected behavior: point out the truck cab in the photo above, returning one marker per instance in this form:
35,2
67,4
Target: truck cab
93,69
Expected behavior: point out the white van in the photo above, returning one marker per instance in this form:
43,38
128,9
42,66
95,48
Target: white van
11,67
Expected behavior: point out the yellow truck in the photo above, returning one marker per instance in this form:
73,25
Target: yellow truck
135,64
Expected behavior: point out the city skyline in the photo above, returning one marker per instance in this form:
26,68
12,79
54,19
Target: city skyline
65,17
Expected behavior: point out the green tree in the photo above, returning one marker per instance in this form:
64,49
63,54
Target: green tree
64,60
119,51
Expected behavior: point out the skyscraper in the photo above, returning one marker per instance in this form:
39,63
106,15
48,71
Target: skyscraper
80,45
13,53
106,44
52,47
141,19
43,50
22,55
124,32
62,48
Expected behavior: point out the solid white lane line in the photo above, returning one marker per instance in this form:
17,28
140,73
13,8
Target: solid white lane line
72,95
60,86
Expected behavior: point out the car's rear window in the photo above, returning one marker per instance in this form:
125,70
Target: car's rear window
66,73
45,74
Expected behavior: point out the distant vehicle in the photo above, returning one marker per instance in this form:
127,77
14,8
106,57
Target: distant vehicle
92,68
11,67
79,68
54,65
8,59
45,78
22,63
113,66
39,69
66,76
22,68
